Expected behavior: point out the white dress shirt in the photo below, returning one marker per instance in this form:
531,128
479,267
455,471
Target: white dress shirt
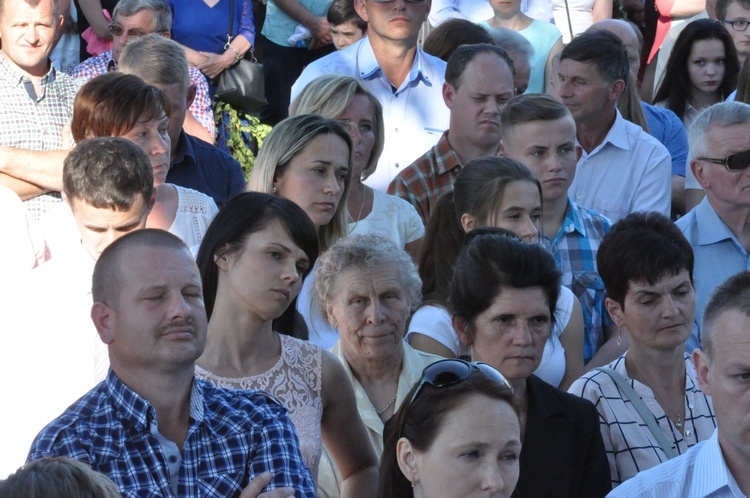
629,171
414,114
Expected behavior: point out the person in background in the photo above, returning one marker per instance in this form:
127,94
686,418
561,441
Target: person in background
647,267
58,477
370,211
521,52
346,25
734,15
446,38
454,404
367,287
540,132
503,297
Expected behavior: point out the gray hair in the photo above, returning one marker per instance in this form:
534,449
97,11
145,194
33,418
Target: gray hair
733,294
365,252
512,42
721,115
156,60
160,8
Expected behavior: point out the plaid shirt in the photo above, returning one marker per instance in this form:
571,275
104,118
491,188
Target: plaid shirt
233,436
200,108
427,178
574,247
33,122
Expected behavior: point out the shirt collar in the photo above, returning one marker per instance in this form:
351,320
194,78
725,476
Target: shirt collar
9,72
617,135
369,67
711,473
134,410
448,157
711,228
184,150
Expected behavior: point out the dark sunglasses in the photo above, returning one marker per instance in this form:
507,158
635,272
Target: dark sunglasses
735,162
452,371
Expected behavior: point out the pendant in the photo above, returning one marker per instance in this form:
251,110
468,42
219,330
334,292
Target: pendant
679,422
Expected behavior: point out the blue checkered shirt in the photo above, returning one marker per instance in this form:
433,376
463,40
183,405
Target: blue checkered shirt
233,436
574,247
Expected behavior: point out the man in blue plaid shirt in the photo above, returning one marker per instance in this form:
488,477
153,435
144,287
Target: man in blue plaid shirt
150,426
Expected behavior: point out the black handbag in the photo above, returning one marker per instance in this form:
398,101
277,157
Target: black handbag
242,85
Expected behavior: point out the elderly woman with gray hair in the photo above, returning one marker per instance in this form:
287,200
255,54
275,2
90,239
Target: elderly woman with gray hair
367,287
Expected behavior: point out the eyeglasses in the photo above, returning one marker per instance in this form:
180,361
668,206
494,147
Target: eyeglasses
452,371
735,162
738,25
117,30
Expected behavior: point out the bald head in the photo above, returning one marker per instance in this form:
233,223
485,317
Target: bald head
627,35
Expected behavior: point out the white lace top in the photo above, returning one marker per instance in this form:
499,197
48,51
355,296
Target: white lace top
296,380
194,214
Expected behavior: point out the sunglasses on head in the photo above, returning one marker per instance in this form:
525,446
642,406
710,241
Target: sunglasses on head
735,162
452,371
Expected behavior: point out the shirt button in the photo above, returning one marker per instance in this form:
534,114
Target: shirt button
396,165
687,433
172,459
691,406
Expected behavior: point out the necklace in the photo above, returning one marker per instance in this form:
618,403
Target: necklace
393,400
361,207
678,423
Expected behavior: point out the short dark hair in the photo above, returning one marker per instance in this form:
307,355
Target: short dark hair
723,5
480,185
111,105
464,54
422,421
491,261
603,49
446,38
108,173
342,11
242,216
532,107
674,89
34,3
57,477
733,294
641,246
108,271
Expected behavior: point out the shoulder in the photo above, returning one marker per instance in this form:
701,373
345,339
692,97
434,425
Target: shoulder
574,406
92,66
194,202
688,223
206,152
432,61
644,143
593,219
592,385
196,77
240,406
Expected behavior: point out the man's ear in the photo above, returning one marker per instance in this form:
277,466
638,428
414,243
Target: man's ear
190,96
579,152
103,318
467,222
167,34
448,94
462,330
702,370
360,8
616,90
700,170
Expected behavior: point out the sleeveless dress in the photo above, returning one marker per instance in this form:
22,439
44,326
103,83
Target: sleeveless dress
296,381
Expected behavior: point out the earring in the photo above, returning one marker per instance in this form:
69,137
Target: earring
275,190
619,336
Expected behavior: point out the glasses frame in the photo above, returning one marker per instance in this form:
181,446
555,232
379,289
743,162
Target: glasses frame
725,162
738,21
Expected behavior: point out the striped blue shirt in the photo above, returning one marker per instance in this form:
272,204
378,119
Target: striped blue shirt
232,437
700,472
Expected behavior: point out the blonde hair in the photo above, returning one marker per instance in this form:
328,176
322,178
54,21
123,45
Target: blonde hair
285,141
629,104
329,96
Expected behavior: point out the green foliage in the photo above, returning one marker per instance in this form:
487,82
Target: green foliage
242,128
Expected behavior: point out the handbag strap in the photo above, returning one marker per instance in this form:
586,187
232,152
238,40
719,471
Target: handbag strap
570,24
231,24
642,410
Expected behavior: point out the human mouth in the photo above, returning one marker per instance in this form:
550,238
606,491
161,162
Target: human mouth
327,206
286,294
178,331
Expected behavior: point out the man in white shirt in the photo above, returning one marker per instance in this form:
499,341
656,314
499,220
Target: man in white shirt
622,169
407,81
720,466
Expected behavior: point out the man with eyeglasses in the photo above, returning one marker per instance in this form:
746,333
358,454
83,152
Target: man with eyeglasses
135,18
718,228
407,81
735,15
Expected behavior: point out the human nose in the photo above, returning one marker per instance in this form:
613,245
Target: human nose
178,307
522,335
157,145
527,230
291,273
492,478
332,184
554,163
565,89
375,312
669,309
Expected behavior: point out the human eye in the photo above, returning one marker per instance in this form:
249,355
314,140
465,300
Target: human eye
540,320
510,456
367,127
566,149
699,62
341,175
153,296
471,454
302,267
537,153
504,319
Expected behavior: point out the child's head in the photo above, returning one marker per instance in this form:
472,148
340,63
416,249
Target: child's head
346,25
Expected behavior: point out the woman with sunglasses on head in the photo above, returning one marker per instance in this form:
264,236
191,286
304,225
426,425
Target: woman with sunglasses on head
498,192
502,297
647,268
367,287
458,436
252,261
701,71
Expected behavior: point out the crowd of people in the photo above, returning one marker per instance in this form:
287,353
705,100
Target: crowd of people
472,263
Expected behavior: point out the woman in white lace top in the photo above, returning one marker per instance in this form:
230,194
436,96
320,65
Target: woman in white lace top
252,261
121,105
